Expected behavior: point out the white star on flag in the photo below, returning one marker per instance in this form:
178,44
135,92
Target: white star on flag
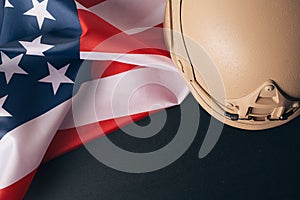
8,4
40,11
11,66
35,48
56,77
3,112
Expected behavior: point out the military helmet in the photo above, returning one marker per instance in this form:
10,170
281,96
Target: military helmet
254,48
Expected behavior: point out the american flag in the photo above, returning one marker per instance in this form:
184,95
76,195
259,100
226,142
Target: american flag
45,46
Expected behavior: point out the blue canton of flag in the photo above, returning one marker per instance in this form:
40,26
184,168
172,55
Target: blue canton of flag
39,47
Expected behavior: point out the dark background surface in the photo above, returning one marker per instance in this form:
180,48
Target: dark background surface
243,165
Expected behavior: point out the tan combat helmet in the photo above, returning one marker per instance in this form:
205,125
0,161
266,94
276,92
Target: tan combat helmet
254,47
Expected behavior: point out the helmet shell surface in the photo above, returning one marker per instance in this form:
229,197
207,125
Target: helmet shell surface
254,47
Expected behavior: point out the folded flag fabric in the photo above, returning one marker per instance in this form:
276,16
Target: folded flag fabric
70,65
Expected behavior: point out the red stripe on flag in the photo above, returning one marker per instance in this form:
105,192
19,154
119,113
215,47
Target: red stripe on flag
68,140
152,38
102,69
160,25
100,36
94,30
89,3
17,190
152,52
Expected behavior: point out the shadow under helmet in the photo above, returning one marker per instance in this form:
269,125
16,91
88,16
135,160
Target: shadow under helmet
250,48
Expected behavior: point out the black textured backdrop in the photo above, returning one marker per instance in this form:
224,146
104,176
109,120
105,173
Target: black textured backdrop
243,165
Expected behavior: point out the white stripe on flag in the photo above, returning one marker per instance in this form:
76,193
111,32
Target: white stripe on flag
128,93
146,60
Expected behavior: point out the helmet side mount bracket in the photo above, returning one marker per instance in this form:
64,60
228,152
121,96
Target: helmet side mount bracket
267,103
